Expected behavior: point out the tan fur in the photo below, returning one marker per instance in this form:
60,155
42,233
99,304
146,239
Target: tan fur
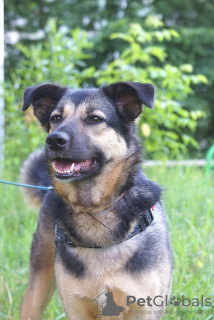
42,281
68,109
78,297
94,196
34,202
105,272
38,295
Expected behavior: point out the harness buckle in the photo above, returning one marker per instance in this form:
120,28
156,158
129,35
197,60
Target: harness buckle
146,219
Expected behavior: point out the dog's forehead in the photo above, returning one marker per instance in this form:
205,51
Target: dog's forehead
83,100
79,95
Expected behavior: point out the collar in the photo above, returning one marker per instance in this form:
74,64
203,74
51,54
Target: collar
144,220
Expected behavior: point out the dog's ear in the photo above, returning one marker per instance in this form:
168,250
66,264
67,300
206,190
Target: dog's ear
130,97
44,99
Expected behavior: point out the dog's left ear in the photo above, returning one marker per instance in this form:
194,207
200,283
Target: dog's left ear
130,97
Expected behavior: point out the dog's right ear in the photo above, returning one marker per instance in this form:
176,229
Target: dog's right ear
44,99
129,98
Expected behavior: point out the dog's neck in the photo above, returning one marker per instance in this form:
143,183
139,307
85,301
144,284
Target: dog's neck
92,204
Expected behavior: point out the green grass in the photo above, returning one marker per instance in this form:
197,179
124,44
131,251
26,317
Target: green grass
189,205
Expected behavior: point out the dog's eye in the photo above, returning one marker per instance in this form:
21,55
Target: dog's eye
55,118
94,119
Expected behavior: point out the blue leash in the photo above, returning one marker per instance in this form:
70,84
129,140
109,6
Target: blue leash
27,185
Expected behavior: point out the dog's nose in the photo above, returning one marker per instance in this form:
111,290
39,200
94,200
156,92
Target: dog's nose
57,140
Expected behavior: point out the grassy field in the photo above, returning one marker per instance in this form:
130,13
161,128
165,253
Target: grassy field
190,209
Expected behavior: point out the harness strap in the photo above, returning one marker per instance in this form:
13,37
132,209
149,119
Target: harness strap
144,221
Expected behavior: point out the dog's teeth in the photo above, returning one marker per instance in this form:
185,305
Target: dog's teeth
72,167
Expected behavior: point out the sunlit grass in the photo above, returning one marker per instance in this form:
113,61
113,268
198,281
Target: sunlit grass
189,205
190,209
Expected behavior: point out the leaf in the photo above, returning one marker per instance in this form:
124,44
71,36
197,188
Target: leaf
146,130
186,68
202,78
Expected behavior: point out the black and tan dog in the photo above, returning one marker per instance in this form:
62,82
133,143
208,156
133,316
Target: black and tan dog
102,228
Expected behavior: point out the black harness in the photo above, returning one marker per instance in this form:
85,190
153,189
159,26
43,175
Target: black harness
144,220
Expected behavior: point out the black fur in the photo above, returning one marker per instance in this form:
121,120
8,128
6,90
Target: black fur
72,262
78,96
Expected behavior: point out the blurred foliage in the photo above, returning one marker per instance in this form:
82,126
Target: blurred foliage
192,19
99,17
62,59
170,127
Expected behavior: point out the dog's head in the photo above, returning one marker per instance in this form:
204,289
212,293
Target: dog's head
87,128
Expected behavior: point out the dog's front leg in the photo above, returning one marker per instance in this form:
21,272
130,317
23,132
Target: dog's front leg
41,284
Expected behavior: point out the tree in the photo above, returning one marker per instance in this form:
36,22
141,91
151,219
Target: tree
145,58
193,20
62,59
28,18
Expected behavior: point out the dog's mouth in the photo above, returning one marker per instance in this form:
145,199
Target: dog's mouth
69,169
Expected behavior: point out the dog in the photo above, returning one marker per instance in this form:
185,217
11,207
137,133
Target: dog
102,228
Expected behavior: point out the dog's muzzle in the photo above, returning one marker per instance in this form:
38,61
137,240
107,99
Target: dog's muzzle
70,162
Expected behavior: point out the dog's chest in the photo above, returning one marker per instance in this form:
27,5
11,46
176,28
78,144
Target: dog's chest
101,269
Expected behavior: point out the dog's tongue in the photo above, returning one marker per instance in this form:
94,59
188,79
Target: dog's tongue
66,165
